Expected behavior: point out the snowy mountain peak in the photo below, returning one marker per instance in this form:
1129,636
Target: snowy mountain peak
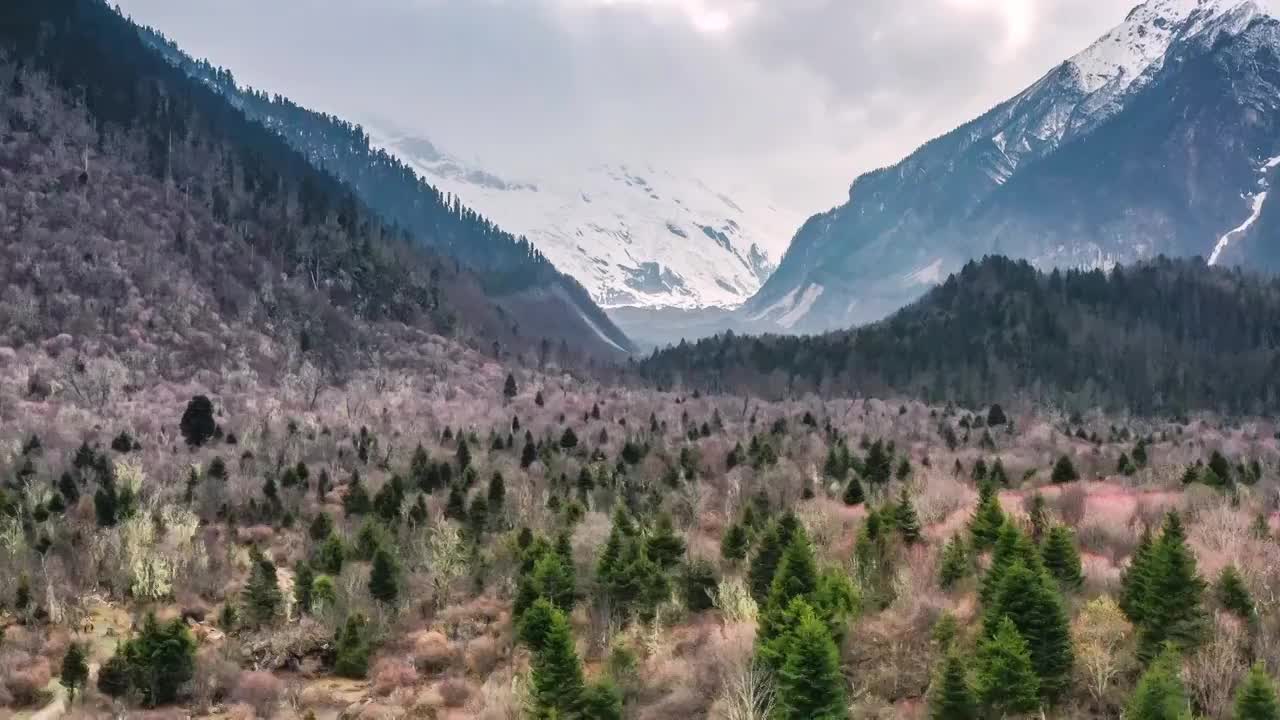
1123,55
633,234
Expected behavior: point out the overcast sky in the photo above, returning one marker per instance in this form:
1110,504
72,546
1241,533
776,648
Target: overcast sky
792,97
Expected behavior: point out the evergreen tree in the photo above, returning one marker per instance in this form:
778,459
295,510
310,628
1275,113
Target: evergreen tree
197,424
529,455
455,508
698,582
303,578
1256,698
1062,559
1232,594
1160,694
1012,546
853,492
75,670
810,686
765,562
556,677
356,501
1064,471
1135,582
568,439
602,700
955,563
535,624
497,493
509,390
351,656
1039,516
734,543
987,519
879,464
664,546
1173,609
1029,599
113,676
906,519
321,527
263,601
950,696
384,582
331,555
463,454
1006,682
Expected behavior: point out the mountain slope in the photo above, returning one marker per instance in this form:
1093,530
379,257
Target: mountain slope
1166,336
634,235
540,300
145,216
1158,138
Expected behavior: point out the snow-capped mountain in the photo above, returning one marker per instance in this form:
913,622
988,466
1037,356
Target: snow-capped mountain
632,234
1160,138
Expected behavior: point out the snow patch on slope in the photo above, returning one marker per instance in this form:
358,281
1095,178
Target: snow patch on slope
1257,201
802,308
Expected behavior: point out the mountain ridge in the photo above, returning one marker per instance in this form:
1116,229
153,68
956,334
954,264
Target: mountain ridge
906,225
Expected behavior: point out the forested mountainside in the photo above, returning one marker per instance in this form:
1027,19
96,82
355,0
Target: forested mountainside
507,266
1166,336
120,166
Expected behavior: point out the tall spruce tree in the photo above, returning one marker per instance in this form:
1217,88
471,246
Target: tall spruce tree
1160,694
556,677
384,578
950,696
1232,594
987,519
1062,559
1135,582
1174,610
810,686
906,519
1031,600
1006,682
1064,471
955,563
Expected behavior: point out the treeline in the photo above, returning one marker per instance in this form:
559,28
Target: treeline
1165,336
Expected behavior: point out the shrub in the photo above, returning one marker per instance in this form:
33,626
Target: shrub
260,690
455,692
390,674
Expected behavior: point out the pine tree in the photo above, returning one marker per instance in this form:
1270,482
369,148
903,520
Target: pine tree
321,527
1232,594
384,582
1256,698
556,678
698,582
1029,599
568,439
303,578
906,519
1039,517
356,501
795,579
1135,582
987,519
955,563
664,546
1012,546
529,455
765,562
853,492
1006,681
113,676
262,598
1064,471
535,624
509,390
810,686
1160,694
734,543
1062,559
75,670
602,700
497,493
351,656
950,696
197,424
1174,611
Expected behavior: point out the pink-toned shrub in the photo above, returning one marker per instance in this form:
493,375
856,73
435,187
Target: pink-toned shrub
390,674
259,690
482,655
432,651
455,692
